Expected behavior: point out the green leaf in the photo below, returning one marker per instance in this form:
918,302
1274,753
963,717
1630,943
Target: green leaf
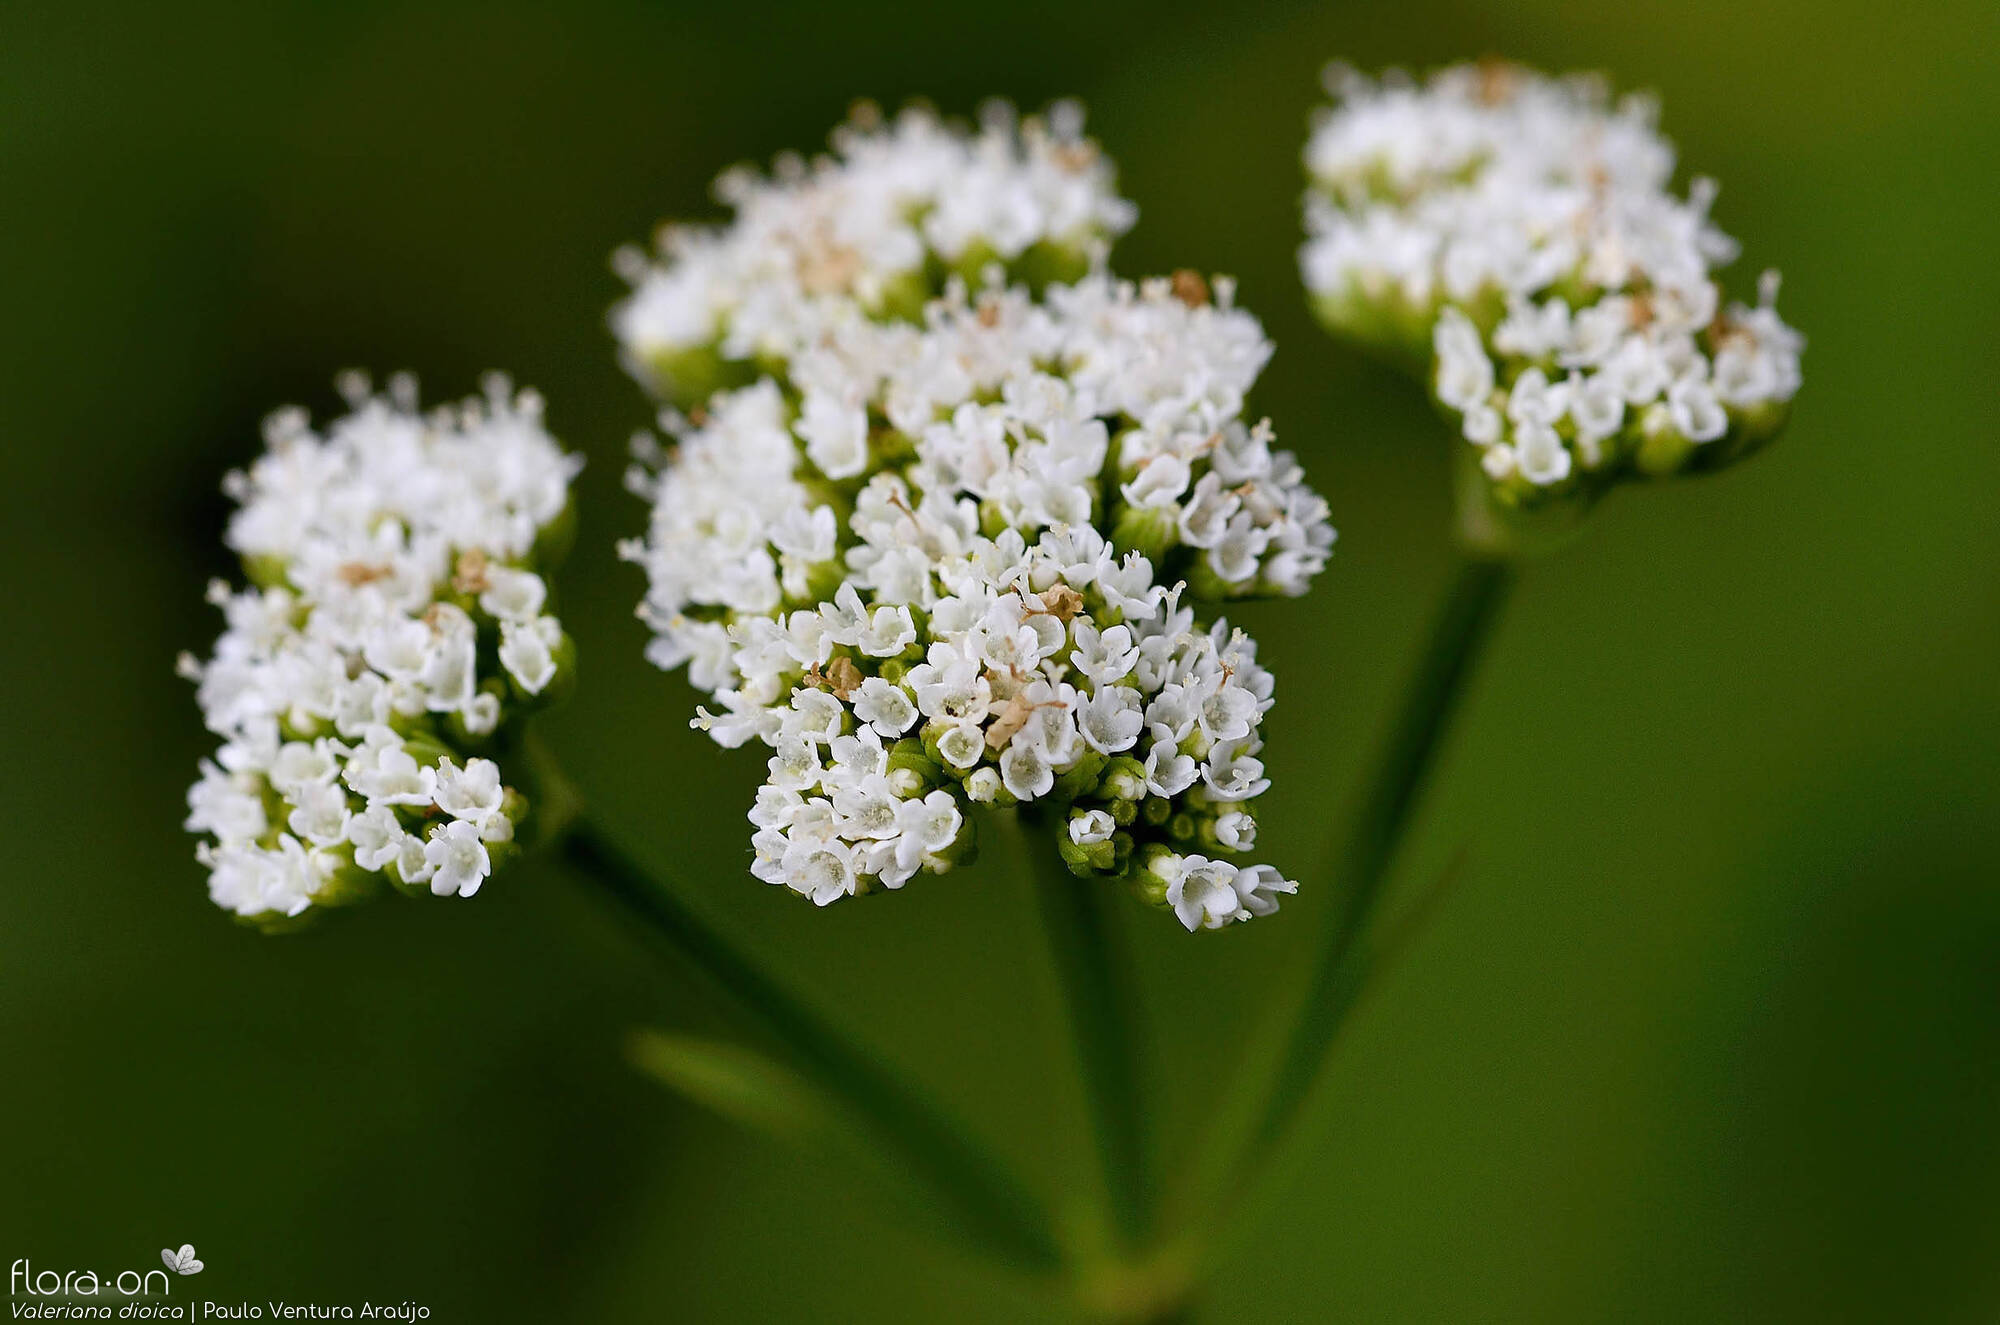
740,1083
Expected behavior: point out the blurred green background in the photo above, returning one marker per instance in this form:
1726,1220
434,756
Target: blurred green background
1710,1029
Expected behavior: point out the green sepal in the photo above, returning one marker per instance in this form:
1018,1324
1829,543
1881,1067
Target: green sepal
349,884
1149,531
427,749
1204,585
917,756
1491,526
554,540
823,580
462,737
1663,450
904,296
1082,779
1050,262
276,923
689,377
267,571
1149,886
1124,780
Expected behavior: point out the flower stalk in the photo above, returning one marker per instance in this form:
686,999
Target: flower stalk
1362,858
980,1190
1094,968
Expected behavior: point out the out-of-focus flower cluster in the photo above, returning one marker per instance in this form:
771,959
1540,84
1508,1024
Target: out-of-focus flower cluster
871,230
1518,234
394,633
941,560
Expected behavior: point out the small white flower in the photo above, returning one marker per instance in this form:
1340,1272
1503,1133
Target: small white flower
983,786
822,870
1203,893
1104,656
1168,771
298,766
512,595
962,745
378,837
1111,719
382,771
1539,453
1258,888
1696,412
886,707
1236,830
400,648
1089,827
527,651
815,716
1025,770
472,793
927,827
225,805
290,876
888,633
457,858
319,814
1233,773
413,866
836,436
482,714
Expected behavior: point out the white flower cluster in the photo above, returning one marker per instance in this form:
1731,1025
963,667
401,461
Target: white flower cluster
871,230
943,561
1519,232
394,633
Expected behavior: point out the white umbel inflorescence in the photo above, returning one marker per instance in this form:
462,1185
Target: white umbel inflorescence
1520,233
943,562
395,630
870,229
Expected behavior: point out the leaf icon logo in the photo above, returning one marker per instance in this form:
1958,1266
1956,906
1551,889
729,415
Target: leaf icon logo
182,1261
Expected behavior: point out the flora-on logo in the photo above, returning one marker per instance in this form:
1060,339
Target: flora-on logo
182,1261
23,1277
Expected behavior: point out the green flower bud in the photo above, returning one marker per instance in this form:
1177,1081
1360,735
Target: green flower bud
1082,779
1153,869
1149,531
918,759
688,377
1124,779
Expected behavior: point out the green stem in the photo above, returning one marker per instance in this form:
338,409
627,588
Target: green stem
1095,972
991,1202
1241,1201
1362,864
